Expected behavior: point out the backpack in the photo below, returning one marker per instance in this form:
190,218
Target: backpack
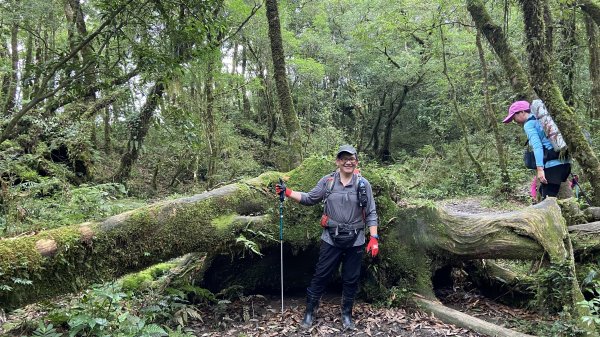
550,129
529,157
344,235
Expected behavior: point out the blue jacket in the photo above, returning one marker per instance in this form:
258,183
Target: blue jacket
537,139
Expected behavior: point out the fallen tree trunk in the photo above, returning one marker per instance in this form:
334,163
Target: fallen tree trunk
416,240
66,259
586,240
465,321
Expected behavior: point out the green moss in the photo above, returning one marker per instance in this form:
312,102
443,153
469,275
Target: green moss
143,279
8,144
222,222
270,177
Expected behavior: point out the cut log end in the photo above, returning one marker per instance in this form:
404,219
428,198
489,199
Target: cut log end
46,247
87,234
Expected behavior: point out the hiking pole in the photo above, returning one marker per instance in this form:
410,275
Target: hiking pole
281,199
576,182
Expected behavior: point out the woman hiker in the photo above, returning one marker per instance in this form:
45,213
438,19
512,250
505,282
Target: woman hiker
550,172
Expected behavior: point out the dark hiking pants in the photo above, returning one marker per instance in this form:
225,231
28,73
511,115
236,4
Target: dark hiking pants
330,258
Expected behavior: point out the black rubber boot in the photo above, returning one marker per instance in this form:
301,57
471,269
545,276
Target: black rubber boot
312,304
347,314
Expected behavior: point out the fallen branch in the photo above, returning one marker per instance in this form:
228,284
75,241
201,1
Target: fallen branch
463,320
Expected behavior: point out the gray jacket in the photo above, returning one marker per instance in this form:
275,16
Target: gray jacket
342,204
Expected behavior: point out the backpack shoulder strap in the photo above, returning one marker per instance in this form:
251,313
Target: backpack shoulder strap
329,185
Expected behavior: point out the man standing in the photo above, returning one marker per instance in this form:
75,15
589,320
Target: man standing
349,207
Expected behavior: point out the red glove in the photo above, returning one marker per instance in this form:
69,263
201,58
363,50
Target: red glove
373,247
279,188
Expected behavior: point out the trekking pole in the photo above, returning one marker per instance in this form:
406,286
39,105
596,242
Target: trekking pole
576,182
281,199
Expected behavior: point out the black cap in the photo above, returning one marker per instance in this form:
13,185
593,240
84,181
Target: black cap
346,148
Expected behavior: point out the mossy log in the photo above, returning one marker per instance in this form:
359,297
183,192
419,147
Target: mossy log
61,260
592,213
416,239
586,240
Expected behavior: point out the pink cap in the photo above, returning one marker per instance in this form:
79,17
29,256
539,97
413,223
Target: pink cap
514,108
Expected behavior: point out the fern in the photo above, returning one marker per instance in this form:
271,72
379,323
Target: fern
249,244
17,280
154,330
46,331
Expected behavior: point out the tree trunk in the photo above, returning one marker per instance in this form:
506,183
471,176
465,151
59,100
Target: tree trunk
234,59
290,118
545,86
549,31
5,80
385,153
493,33
593,44
138,130
375,131
106,120
245,99
491,116
209,121
9,103
567,55
418,239
591,8
26,80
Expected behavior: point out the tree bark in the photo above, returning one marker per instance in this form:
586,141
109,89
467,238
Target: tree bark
290,118
106,129
549,31
26,80
245,99
591,8
5,80
9,103
567,55
493,33
593,44
544,85
209,120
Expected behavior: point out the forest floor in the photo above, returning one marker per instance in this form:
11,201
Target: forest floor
263,318
260,316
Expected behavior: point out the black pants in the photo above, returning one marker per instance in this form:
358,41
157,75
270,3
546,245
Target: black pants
329,260
555,176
